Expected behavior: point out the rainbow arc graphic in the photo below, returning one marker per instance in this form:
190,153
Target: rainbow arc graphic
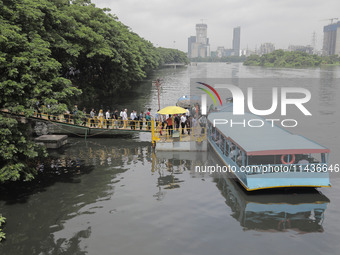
209,93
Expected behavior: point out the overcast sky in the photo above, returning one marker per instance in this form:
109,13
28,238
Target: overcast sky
169,23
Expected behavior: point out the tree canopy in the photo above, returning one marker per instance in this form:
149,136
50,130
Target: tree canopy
280,58
52,50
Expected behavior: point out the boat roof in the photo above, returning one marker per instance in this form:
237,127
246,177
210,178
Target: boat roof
265,140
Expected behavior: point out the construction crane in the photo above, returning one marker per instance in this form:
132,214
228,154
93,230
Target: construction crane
330,19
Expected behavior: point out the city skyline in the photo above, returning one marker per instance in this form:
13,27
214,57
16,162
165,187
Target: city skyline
283,23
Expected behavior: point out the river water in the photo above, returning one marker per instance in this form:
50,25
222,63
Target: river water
115,196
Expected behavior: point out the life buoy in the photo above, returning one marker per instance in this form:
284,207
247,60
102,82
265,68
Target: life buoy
285,162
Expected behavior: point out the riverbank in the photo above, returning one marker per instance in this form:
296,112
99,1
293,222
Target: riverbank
289,59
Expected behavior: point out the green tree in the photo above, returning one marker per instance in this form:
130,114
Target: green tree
50,51
280,58
28,74
2,234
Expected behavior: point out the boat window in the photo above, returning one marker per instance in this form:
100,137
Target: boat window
213,133
233,152
239,160
308,158
221,145
301,159
267,159
226,152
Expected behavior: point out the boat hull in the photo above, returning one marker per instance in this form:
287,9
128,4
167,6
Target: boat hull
272,180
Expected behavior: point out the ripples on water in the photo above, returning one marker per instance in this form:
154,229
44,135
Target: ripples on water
114,196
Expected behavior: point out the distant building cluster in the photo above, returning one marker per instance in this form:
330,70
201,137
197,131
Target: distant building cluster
198,46
235,51
266,48
331,39
306,49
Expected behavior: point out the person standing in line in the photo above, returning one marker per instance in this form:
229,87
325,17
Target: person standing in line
107,118
121,118
136,118
183,122
157,118
37,107
188,125
141,120
114,119
75,114
197,110
67,116
188,111
125,118
148,120
133,117
92,115
169,125
100,119
177,121
84,116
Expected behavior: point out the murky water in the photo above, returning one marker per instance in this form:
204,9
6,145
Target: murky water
114,196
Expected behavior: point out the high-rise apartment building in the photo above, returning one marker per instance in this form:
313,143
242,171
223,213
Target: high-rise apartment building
237,41
198,46
331,39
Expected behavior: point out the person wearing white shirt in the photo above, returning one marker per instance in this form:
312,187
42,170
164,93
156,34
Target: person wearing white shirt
183,122
133,117
107,118
125,117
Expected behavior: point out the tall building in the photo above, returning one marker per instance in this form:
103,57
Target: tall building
237,41
331,39
201,33
191,40
306,49
198,46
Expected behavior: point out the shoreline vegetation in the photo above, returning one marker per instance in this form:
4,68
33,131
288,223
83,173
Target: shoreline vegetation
290,59
278,58
54,52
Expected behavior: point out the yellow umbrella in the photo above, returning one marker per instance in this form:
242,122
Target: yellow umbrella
172,110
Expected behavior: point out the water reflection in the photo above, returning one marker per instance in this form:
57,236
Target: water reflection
65,246
170,165
298,210
328,86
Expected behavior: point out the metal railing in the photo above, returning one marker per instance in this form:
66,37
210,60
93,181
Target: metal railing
166,134
98,122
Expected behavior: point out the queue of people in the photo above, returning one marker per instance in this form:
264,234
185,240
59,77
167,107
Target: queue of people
176,122
120,119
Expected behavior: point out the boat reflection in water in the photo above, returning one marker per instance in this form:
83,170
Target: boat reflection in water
301,210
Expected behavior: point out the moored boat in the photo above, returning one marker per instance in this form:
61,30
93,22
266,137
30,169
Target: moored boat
267,156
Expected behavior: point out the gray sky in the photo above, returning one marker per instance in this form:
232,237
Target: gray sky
282,22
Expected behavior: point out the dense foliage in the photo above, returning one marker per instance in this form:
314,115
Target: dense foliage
2,234
50,51
280,58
